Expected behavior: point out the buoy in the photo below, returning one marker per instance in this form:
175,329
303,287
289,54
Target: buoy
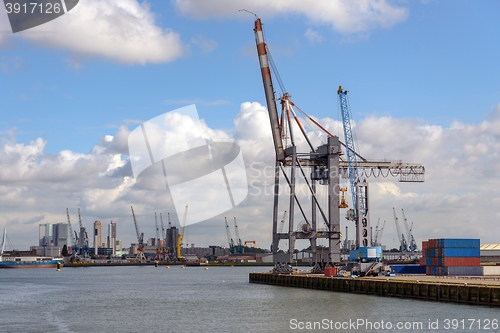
58,267
183,267
168,267
206,268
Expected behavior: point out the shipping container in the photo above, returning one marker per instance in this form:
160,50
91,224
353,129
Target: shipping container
425,245
408,269
459,242
459,261
460,252
463,271
428,261
422,261
491,270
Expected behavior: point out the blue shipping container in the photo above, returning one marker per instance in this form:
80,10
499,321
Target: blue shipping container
408,269
459,242
463,270
428,261
460,252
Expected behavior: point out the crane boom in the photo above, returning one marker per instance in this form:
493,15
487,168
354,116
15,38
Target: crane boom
180,236
163,236
157,231
412,246
269,90
140,238
402,240
238,239
282,223
359,189
230,240
74,245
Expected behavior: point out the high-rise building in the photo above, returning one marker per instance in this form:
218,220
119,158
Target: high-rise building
97,236
60,234
44,234
112,236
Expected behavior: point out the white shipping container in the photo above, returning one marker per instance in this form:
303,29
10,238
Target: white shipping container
491,270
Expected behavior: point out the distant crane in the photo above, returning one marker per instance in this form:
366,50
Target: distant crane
140,239
163,235
412,246
84,238
239,246
403,245
180,236
378,235
157,241
230,241
74,236
282,223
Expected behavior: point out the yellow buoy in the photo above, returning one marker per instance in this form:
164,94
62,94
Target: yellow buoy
183,267
168,267
206,268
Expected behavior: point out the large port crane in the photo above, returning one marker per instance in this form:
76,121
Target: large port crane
239,245
326,169
412,244
378,236
359,189
230,241
73,235
83,239
403,245
180,236
140,239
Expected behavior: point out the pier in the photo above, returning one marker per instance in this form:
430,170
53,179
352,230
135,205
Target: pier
463,290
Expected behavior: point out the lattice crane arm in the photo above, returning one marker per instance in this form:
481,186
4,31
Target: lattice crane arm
228,235
140,237
72,235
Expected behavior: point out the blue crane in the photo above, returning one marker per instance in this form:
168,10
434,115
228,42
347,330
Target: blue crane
359,189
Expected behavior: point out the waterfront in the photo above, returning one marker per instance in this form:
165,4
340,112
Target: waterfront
220,299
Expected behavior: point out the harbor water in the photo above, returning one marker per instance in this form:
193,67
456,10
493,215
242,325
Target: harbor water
220,299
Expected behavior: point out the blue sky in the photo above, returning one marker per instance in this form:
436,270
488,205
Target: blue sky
427,64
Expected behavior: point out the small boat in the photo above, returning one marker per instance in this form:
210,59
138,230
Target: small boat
28,261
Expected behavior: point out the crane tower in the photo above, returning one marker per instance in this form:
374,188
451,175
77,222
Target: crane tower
326,166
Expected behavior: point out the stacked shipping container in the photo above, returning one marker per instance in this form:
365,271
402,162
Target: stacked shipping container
452,256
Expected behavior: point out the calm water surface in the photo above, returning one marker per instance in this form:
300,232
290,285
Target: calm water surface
149,299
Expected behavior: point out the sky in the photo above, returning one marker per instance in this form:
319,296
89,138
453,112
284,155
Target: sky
423,87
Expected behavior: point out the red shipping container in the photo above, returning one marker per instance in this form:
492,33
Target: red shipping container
434,261
461,261
440,271
425,245
439,253
422,261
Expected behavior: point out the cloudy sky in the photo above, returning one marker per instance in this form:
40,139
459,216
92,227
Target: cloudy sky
423,87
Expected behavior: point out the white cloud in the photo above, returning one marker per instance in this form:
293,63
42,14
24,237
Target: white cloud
344,16
121,30
313,36
206,45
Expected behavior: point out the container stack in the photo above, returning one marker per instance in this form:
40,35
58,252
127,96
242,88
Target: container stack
452,256
425,245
